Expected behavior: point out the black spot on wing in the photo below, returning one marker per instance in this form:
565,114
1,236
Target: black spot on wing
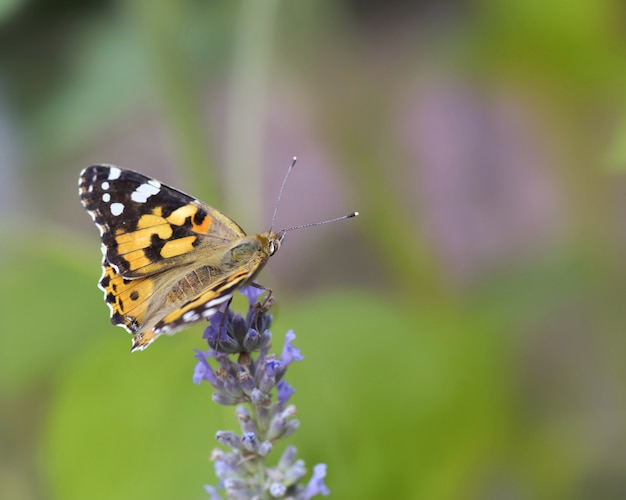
199,217
117,318
166,210
153,251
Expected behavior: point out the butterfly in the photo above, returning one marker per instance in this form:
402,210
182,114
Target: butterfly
169,260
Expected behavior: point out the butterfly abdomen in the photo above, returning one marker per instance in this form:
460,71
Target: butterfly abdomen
192,284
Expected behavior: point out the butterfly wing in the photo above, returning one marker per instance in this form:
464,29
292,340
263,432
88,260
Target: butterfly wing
146,226
162,250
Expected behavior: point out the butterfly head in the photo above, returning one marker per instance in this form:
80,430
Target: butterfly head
275,240
270,242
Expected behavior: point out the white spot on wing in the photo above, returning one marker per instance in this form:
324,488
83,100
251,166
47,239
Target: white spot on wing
144,191
211,307
218,301
106,197
191,316
207,313
114,173
105,185
117,208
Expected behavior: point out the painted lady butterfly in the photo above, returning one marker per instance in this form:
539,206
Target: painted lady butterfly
170,260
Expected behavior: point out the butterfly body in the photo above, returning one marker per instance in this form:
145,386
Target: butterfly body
169,260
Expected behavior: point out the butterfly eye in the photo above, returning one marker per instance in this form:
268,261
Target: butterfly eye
274,246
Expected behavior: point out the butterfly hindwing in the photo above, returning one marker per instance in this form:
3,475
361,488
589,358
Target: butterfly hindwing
128,300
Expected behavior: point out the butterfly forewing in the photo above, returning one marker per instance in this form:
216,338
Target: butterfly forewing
146,226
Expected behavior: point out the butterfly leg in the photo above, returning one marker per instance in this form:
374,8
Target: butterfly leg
260,308
269,291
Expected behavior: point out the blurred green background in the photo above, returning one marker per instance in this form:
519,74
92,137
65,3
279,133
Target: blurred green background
464,337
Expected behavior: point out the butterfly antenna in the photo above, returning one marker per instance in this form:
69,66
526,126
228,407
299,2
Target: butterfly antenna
280,193
353,214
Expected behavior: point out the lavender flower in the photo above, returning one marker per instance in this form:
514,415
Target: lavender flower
257,386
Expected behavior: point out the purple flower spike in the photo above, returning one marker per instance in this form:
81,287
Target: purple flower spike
254,380
316,485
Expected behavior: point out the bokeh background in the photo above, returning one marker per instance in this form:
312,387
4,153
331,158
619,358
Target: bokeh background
464,337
